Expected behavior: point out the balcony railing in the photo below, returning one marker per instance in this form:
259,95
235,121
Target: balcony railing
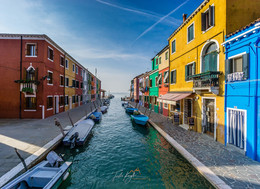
28,88
206,81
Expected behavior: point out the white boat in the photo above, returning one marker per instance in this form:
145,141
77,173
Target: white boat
47,174
103,109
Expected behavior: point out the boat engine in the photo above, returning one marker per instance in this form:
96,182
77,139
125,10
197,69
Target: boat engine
73,140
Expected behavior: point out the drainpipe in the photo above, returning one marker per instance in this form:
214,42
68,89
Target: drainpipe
21,72
225,101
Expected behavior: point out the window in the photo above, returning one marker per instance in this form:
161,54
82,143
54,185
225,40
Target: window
67,64
30,103
173,76
77,84
73,67
159,79
49,79
49,102
62,61
30,74
189,71
160,60
165,106
208,18
77,98
61,80
156,60
81,85
151,83
166,77
61,100
210,58
50,54
237,68
73,99
66,82
166,55
173,46
73,83
31,50
76,69
190,32
66,100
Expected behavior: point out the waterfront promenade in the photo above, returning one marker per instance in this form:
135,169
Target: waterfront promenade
31,136
234,168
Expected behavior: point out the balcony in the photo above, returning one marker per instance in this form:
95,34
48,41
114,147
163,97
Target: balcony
207,81
29,89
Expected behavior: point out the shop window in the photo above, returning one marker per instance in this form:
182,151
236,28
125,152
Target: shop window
189,71
49,102
30,103
208,18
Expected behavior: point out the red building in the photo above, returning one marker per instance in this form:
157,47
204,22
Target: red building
32,72
163,89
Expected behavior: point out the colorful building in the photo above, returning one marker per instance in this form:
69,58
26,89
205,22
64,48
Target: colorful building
38,77
242,105
163,79
154,90
145,89
197,62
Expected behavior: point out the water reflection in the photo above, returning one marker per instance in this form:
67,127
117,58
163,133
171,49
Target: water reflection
124,155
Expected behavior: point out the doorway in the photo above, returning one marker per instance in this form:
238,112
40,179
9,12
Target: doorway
209,117
187,110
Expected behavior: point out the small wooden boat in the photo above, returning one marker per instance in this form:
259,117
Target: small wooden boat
47,174
96,116
103,109
125,104
140,119
130,110
78,134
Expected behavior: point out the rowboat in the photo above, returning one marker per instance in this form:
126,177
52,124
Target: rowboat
140,119
47,174
130,110
78,134
103,109
96,116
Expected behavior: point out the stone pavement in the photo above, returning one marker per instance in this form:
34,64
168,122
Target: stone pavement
28,136
234,168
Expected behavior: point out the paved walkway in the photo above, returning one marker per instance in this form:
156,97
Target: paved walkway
235,169
28,136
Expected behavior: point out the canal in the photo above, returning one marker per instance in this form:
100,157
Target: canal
119,154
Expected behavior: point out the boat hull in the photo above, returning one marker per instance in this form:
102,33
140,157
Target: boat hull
140,119
130,110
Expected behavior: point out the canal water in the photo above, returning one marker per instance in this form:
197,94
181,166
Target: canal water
119,154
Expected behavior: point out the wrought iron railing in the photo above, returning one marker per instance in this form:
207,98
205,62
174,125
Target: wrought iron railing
206,79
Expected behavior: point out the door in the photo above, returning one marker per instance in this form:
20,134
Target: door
209,116
70,102
187,110
57,105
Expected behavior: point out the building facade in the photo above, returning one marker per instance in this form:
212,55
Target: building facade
154,90
242,105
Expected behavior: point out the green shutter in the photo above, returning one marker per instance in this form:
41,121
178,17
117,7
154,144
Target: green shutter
211,15
186,72
174,76
193,69
246,65
203,22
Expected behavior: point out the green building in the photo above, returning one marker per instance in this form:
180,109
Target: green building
154,90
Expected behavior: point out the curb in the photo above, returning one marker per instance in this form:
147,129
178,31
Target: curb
204,170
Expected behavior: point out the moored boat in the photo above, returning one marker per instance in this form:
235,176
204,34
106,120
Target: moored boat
78,134
130,110
140,119
96,116
47,174
103,109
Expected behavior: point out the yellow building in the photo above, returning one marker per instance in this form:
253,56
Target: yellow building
197,62
70,78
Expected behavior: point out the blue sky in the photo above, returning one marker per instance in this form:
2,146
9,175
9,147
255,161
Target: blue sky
118,37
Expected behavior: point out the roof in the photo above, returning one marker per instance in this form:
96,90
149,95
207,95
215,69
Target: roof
39,37
189,18
161,51
243,28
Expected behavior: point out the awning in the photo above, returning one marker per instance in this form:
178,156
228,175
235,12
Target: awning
171,98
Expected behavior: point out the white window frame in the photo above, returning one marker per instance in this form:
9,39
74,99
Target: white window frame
214,20
52,103
193,23
51,84
242,110
35,49
171,78
48,54
64,61
194,73
175,46
73,67
77,69
67,67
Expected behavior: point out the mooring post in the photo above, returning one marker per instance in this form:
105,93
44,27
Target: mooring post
22,160
70,119
57,123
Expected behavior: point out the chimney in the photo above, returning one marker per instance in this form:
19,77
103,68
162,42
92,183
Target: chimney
184,16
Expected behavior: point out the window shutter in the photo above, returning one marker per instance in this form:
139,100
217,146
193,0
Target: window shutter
186,73
24,74
193,69
203,22
246,65
26,52
36,74
174,76
211,15
36,49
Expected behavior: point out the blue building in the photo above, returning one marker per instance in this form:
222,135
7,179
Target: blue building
242,103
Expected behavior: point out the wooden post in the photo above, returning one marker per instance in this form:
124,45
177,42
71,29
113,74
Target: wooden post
70,119
22,160
57,123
